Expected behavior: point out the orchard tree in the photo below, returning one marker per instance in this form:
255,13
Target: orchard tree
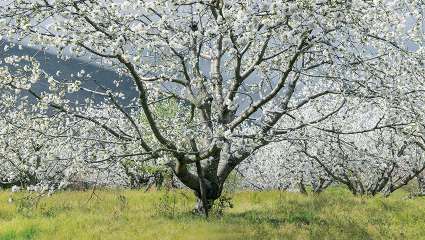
281,166
36,151
235,68
367,164
29,155
53,150
364,156
41,147
370,161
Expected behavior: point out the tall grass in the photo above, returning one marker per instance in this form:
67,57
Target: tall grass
334,214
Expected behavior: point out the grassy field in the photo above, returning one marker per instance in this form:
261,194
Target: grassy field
335,214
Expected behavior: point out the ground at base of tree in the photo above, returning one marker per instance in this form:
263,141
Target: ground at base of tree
112,214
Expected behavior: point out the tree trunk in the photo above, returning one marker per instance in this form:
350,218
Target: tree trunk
206,187
421,182
301,187
200,206
205,205
205,201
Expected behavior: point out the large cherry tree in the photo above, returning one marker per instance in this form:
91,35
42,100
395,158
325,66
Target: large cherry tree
234,69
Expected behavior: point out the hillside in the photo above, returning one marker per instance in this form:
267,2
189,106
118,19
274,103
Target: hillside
51,64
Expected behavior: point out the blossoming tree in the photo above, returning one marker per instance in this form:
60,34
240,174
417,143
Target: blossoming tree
235,69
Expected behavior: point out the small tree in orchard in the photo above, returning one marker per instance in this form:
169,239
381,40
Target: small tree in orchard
377,160
281,166
414,134
31,155
367,164
51,150
235,68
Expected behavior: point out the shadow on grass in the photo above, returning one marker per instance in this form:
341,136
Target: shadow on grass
274,219
26,234
250,217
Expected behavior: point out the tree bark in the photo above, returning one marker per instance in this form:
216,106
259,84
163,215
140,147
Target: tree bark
206,187
421,182
203,206
301,187
205,200
202,190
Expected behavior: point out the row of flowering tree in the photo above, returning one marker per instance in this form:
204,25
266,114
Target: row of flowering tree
367,164
242,74
53,150
368,161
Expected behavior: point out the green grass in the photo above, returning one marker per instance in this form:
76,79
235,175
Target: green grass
335,214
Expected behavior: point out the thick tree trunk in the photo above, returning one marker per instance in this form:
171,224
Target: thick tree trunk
202,190
207,182
205,200
206,186
200,206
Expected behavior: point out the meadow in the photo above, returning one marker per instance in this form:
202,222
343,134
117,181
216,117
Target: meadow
129,214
